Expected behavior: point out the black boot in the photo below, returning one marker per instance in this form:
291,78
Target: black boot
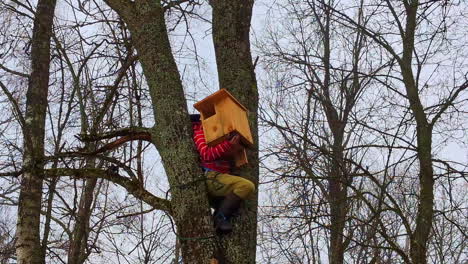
222,224
228,208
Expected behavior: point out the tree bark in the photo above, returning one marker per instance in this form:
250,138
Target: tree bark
424,218
77,253
231,36
337,189
172,133
28,246
338,205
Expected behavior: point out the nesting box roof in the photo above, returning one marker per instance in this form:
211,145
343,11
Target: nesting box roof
216,97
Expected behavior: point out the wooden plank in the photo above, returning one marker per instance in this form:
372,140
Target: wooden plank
215,97
213,130
241,158
234,119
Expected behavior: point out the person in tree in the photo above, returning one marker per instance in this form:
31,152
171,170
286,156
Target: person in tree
226,191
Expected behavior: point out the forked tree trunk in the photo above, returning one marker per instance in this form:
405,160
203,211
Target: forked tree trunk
231,30
337,189
172,131
28,245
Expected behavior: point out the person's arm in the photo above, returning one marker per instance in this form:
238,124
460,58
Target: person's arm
208,153
236,146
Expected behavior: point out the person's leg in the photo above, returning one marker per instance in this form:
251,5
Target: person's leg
215,201
220,184
234,189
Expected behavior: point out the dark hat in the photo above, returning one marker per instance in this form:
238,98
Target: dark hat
195,117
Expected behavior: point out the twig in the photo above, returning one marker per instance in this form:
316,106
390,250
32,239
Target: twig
135,214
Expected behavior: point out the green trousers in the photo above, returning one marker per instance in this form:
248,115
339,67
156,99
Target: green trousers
221,184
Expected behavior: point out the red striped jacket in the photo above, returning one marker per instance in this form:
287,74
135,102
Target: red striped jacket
211,157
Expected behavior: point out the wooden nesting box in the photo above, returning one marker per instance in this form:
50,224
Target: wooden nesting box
222,114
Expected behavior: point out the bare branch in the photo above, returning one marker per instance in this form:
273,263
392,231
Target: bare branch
113,89
449,102
125,8
128,134
11,173
3,67
112,134
132,186
14,103
135,214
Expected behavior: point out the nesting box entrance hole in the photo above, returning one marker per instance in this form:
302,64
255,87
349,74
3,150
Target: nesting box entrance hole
207,111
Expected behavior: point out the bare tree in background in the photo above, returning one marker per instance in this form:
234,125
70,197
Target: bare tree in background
390,159
322,82
413,52
28,244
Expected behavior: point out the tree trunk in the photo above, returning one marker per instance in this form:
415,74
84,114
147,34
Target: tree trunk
231,29
77,253
337,189
338,203
28,246
172,132
424,218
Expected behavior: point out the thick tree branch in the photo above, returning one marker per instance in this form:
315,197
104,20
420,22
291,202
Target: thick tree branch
137,213
127,134
115,144
11,173
124,8
112,160
132,186
115,133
